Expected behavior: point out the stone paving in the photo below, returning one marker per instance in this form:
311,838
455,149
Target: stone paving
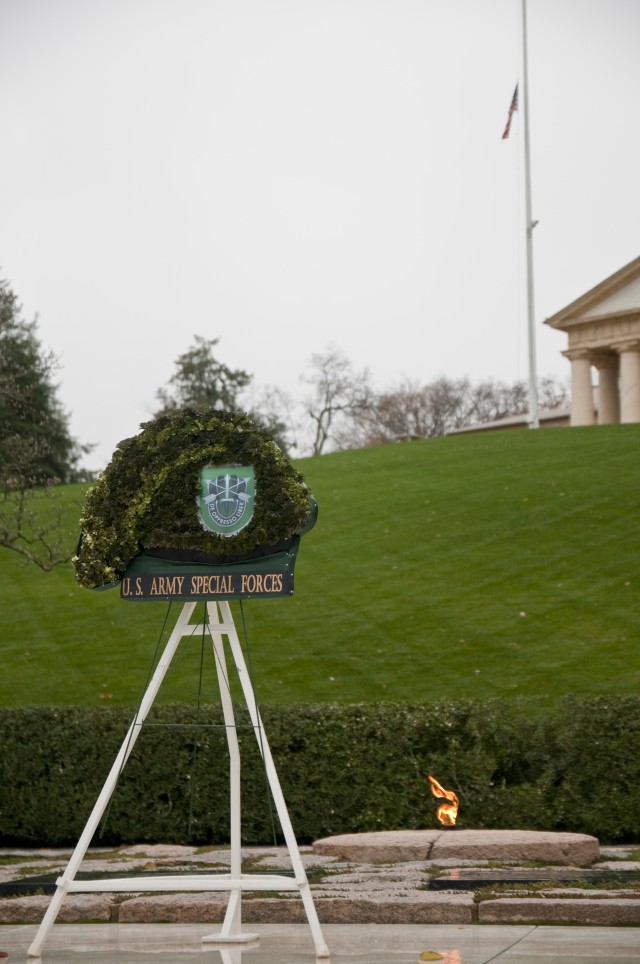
346,890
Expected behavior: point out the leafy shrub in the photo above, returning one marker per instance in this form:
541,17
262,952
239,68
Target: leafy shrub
598,766
342,769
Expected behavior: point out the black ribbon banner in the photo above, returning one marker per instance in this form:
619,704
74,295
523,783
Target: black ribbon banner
223,585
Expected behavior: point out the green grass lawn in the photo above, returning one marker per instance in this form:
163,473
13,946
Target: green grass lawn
498,564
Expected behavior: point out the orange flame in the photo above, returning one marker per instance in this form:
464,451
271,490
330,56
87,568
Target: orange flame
447,813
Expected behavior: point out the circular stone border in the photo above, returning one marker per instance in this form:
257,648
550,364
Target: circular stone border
386,846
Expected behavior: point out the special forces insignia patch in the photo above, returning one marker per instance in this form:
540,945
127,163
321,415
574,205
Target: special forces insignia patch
227,498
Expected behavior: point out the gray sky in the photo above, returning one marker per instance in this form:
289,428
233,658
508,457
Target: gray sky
288,174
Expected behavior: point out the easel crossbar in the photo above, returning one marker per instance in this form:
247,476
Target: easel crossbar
188,882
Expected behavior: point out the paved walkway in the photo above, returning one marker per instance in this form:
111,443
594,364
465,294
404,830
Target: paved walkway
348,943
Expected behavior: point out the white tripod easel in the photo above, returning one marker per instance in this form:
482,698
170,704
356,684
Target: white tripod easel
235,881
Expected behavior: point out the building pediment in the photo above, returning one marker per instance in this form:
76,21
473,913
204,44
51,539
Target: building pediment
603,332
614,298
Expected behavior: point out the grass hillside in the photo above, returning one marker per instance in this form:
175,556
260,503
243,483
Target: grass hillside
502,564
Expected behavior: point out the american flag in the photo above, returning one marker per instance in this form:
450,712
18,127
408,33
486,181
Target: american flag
513,106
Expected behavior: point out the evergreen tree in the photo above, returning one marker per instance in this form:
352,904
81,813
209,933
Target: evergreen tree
35,443
36,448
201,381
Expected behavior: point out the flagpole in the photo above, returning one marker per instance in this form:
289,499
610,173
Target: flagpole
530,225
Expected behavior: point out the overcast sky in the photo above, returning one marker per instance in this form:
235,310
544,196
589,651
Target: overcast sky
288,174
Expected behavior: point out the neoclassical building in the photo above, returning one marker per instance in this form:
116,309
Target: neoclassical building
603,327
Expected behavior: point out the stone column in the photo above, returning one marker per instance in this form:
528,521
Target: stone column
629,381
608,366
582,407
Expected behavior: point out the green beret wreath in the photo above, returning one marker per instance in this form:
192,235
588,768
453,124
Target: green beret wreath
145,500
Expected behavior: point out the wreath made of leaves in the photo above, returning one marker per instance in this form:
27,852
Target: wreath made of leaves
146,498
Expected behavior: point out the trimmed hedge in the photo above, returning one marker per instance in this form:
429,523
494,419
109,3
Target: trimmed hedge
342,769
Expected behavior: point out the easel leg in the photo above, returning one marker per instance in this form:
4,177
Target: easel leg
110,783
232,926
227,626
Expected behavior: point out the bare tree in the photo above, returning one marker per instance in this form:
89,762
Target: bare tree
448,401
396,414
491,400
415,411
446,404
33,524
273,408
554,393
339,395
